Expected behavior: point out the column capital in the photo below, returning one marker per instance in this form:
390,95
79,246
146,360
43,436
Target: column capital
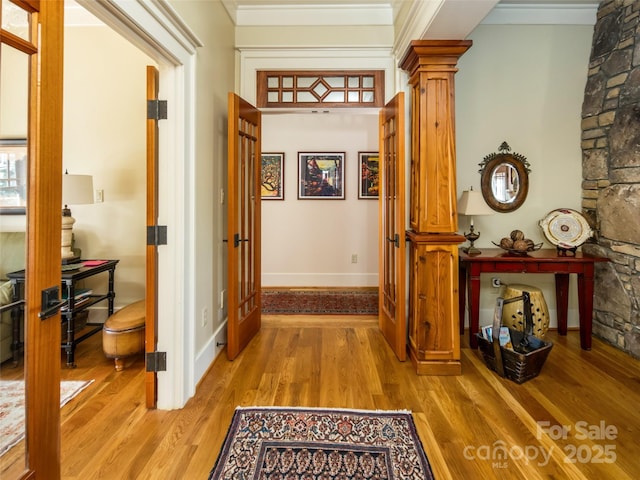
444,53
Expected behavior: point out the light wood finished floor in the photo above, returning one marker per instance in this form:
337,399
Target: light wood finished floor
465,422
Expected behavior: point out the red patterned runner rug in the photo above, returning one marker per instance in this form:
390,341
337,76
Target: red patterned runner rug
278,443
293,301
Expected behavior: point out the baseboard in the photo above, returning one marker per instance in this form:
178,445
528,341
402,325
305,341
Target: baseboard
214,347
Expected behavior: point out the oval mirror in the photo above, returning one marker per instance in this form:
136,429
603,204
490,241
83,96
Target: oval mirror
504,179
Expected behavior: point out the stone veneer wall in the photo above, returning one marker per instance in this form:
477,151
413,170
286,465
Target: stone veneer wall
611,171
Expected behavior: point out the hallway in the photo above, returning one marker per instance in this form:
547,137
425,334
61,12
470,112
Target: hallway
335,361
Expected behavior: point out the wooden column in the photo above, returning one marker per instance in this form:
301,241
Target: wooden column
434,339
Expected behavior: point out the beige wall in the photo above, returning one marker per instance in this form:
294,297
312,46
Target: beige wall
13,93
314,36
523,85
215,75
311,242
104,135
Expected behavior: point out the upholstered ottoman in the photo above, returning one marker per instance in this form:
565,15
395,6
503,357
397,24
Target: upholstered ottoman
123,333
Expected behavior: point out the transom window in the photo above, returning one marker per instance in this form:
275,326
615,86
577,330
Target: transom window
318,89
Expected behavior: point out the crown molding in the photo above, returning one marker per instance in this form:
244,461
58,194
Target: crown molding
419,17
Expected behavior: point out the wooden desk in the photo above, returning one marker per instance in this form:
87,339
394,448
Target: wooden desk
496,260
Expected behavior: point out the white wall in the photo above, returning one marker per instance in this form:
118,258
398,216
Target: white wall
310,242
104,135
215,76
524,85
13,92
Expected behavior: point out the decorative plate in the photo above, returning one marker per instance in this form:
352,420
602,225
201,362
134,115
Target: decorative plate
566,228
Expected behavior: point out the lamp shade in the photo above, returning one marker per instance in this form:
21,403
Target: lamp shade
472,203
77,189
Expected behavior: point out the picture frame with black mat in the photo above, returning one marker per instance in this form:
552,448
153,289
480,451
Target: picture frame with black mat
321,175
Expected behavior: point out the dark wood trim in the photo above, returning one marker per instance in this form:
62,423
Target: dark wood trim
263,89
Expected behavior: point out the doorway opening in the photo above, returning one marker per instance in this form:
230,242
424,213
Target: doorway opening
319,241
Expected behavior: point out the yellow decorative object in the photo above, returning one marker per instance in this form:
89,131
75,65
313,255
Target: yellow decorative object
512,315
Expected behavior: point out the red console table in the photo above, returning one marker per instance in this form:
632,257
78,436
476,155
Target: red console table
496,260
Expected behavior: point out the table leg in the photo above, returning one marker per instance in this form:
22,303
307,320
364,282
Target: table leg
585,306
562,301
69,345
474,308
462,296
112,293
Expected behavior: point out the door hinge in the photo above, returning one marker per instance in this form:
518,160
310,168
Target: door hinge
156,109
156,362
157,235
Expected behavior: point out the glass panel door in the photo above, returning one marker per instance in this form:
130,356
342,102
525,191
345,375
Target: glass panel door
14,109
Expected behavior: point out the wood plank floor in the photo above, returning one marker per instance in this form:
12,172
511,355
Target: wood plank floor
473,426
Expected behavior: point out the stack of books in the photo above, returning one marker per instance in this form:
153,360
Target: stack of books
82,295
505,336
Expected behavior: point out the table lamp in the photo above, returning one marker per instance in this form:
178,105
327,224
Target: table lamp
472,203
76,190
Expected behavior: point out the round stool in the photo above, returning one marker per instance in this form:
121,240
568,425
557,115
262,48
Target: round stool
123,333
512,315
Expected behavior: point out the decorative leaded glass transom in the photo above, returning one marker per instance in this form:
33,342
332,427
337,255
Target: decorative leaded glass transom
320,89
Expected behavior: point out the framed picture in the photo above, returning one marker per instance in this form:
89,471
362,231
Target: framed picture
369,166
272,179
321,175
13,176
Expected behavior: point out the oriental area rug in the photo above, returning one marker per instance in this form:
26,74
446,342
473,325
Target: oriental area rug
12,424
278,443
291,301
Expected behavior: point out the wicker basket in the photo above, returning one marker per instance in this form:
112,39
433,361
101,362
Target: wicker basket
514,365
